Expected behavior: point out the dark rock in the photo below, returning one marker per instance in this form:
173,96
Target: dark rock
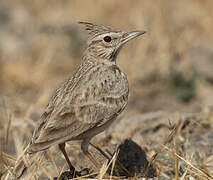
133,158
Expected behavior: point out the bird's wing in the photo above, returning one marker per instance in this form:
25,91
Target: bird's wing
97,97
58,97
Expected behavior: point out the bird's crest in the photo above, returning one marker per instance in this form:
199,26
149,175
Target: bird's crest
95,29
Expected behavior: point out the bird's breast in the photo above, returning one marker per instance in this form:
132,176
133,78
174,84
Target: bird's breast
116,88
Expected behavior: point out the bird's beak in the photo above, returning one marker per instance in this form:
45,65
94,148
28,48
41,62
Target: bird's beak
130,35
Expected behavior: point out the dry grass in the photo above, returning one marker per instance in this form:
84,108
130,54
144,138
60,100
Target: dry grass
169,69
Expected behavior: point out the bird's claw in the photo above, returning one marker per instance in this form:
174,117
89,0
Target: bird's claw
84,172
73,174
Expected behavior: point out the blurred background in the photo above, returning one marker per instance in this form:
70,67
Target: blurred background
170,68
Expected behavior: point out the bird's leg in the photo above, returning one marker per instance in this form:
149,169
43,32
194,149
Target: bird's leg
84,148
62,148
91,158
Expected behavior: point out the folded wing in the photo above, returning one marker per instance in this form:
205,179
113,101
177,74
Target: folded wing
96,97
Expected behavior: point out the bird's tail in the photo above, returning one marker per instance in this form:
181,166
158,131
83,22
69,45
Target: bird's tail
27,164
22,165
19,169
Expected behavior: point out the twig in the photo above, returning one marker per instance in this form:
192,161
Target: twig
160,149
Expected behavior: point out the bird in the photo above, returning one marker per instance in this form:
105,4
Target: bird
88,101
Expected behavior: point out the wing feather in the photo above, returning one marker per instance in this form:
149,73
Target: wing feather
96,98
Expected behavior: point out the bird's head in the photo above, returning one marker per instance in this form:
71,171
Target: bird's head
105,43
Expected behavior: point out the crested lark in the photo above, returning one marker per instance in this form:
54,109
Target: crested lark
88,101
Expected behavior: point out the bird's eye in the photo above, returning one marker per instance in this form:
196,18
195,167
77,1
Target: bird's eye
107,38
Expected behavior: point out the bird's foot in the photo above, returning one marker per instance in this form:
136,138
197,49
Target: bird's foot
84,172
66,175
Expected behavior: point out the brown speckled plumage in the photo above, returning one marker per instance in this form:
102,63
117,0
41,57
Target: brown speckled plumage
90,100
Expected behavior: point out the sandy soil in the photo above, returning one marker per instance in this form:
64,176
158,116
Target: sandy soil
169,115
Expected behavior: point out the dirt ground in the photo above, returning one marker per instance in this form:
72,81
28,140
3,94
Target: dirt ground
169,118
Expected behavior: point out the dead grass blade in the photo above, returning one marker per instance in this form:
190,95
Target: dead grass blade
103,171
53,160
88,175
8,130
202,172
101,151
176,162
160,149
113,164
1,164
61,171
106,167
36,165
120,165
5,155
46,172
